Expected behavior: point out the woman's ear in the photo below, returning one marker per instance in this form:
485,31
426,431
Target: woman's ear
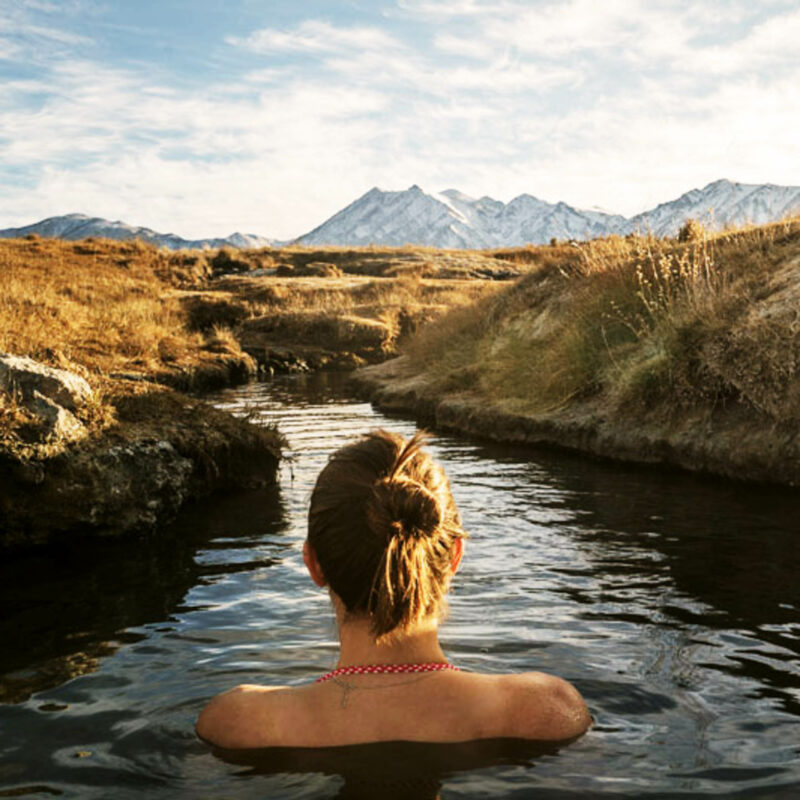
458,552
312,565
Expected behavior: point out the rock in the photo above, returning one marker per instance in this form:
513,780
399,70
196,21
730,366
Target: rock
27,378
131,487
52,421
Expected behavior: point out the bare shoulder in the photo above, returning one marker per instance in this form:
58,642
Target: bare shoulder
542,706
242,717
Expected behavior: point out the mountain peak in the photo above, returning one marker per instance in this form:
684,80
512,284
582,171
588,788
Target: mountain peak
454,194
722,183
73,227
453,219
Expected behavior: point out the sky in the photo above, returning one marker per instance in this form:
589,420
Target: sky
204,117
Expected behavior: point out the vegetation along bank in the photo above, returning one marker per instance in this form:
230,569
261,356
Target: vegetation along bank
682,352
103,345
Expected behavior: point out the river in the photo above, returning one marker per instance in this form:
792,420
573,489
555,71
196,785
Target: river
672,601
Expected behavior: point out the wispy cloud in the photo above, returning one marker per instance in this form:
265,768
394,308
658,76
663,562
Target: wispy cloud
770,44
455,8
315,36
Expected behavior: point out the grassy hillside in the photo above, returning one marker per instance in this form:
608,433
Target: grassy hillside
130,318
97,306
639,325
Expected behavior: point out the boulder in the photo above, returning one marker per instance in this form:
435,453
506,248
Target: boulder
51,421
28,378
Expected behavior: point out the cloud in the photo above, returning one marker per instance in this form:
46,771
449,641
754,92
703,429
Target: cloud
314,36
676,37
27,43
41,5
114,134
620,104
455,8
10,50
770,44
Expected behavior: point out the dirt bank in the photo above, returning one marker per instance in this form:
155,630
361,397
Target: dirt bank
729,444
97,437
652,352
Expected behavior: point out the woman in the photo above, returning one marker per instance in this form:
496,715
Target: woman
385,538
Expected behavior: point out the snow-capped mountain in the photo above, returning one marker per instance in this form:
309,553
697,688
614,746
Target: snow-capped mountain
79,226
722,203
452,219
396,218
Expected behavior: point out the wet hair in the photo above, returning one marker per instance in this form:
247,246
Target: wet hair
383,525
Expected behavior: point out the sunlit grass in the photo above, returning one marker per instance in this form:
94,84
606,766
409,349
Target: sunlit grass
638,321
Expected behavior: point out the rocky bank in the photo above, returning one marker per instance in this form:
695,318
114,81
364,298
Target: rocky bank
67,476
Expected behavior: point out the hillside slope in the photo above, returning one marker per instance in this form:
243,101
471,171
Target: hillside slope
638,349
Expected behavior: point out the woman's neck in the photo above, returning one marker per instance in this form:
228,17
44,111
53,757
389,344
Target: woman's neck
358,645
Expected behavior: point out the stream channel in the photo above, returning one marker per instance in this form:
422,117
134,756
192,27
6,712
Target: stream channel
672,601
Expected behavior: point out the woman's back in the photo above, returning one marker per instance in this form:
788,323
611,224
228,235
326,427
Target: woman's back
433,707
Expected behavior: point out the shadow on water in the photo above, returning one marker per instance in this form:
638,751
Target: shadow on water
743,564
730,552
391,770
65,610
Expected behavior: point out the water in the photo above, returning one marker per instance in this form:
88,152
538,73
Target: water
670,600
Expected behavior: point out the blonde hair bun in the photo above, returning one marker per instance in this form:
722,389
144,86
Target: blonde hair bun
403,507
383,524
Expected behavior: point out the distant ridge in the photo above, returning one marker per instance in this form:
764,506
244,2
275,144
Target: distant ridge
80,226
452,219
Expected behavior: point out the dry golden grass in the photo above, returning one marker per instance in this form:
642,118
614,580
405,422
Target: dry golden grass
377,261
114,311
101,309
350,294
641,322
94,307
354,312
104,307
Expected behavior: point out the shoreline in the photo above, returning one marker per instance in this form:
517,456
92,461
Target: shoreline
165,450
724,444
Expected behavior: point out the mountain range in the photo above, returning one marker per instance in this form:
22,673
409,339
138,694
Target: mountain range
78,226
454,220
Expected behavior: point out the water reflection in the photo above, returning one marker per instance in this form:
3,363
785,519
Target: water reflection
391,770
731,574
66,610
738,562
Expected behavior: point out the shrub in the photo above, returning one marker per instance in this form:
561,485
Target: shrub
691,231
